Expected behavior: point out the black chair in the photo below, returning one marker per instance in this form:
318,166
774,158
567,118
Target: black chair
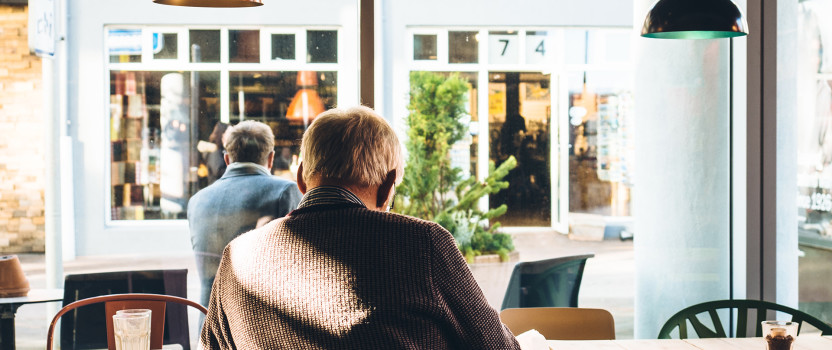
85,328
546,283
743,307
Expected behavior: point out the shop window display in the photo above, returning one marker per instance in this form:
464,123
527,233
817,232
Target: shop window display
167,126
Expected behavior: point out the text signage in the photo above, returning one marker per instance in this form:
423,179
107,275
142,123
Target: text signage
42,27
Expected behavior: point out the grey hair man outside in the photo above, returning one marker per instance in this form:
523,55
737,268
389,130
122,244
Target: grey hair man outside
340,272
246,196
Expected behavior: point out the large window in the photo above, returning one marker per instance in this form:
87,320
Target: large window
174,92
814,158
559,101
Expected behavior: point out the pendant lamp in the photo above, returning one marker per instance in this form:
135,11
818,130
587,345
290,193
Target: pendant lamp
307,104
211,3
694,19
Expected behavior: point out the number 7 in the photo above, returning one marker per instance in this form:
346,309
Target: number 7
505,46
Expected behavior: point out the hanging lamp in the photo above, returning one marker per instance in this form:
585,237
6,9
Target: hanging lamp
211,3
694,19
307,104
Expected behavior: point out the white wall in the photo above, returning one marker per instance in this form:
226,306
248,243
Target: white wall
89,112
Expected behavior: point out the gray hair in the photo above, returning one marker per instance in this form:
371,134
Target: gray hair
250,141
355,146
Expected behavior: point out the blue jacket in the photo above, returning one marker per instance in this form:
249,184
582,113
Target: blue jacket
231,206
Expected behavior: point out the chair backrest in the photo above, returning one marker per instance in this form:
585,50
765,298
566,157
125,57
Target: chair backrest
91,327
561,323
115,302
546,283
743,307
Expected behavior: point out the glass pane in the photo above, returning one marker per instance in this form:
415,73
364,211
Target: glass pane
424,47
577,42
283,46
165,46
286,101
601,143
814,160
519,114
124,45
463,47
205,45
321,46
538,47
503,47
161,139
244,46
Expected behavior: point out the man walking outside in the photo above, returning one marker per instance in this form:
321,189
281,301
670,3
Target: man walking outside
245,197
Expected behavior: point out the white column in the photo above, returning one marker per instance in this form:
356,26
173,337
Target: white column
682,183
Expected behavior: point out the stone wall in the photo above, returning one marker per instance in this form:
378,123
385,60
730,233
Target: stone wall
22,134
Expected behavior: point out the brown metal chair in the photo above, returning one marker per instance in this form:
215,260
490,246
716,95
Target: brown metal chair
115,302
561,323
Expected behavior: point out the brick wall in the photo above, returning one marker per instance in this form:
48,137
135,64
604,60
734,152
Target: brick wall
21,137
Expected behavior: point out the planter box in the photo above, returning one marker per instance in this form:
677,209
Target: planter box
513,257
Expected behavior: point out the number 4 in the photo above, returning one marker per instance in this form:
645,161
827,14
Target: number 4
541,48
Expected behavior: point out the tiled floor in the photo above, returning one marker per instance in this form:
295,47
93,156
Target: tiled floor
608,278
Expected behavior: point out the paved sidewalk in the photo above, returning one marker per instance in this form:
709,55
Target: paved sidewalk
608,278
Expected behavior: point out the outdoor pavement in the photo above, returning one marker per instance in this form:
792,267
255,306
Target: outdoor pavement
608,280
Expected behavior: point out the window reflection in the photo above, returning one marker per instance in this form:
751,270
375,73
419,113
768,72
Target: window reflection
156,122
601,143
519,112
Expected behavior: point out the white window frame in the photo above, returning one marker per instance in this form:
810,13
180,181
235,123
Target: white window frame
224,67
556,67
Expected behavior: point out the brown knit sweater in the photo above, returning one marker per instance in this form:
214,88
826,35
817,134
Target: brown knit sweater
345,277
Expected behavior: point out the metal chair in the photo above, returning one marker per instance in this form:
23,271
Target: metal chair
743,307
115,302
546,283
86,329
561,323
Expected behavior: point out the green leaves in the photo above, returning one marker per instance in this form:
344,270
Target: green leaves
434,190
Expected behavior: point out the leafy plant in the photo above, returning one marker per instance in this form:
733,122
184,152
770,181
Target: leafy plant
432,188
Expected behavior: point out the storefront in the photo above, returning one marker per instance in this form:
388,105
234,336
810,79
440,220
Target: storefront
152,88
556,96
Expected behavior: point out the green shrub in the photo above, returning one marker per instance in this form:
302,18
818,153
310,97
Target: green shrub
434,190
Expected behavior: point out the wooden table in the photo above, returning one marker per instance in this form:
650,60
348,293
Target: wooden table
806,342
8,309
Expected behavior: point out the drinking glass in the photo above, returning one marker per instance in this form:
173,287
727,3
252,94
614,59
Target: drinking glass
132,329
779,335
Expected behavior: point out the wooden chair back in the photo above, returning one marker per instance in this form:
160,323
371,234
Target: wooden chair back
114,302
561,323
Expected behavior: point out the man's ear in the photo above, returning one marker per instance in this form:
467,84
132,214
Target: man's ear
386,189
227,159
301,183
270,161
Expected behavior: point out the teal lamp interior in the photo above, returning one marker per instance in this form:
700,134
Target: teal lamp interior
694,19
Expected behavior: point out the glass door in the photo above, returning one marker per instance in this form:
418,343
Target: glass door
520,126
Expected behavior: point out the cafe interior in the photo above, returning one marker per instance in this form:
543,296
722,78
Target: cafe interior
669,186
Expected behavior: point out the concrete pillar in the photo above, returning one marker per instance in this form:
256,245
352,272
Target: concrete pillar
681,201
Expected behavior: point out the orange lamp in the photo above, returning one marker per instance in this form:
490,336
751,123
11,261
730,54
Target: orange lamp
307,104
211,3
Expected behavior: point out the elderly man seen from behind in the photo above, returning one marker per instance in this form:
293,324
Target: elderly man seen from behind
342,273
246,196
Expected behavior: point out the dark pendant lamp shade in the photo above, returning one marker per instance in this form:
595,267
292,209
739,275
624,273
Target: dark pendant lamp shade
694,19
211,3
